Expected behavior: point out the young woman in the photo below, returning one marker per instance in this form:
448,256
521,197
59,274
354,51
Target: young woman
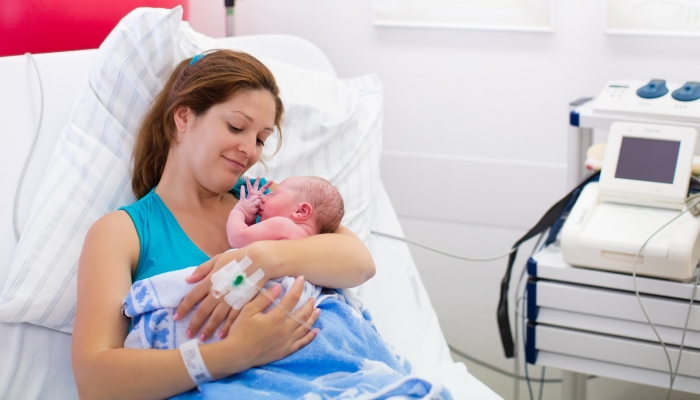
203,131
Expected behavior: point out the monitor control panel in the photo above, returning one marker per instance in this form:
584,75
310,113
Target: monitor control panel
656,99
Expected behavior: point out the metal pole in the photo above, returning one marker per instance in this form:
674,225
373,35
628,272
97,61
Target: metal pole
578,141
229,17
573,386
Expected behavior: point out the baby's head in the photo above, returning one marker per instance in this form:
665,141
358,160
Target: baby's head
307,199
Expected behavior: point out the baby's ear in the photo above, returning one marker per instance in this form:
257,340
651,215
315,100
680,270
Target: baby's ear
304,211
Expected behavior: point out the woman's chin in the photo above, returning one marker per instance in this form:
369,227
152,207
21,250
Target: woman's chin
222,186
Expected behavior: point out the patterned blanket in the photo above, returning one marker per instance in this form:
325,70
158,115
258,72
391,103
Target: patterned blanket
347,359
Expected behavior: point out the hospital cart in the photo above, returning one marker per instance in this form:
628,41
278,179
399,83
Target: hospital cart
588,322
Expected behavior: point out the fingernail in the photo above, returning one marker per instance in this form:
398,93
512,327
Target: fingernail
316,331
188,333
317,311
276,288
176,317
300,278
221,335
202,337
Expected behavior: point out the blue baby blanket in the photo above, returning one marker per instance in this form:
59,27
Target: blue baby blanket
347,359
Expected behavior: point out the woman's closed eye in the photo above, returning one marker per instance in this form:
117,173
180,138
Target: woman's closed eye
233,129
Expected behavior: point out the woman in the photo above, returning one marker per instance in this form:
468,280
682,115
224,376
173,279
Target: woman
205,129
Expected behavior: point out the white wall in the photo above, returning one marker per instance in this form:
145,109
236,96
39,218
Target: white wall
475,135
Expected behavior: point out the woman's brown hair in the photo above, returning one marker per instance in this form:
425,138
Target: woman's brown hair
213,79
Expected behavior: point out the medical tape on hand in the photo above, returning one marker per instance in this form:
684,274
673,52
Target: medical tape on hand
194,362
232,283
238,289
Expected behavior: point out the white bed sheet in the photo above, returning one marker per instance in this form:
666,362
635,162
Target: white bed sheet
35,361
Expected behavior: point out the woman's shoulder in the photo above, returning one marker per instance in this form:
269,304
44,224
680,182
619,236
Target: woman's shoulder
116,223
114,234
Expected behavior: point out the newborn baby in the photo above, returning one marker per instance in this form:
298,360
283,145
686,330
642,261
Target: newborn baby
299,207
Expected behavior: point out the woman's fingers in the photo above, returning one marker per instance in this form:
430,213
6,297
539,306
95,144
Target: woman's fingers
262,300
219,314
290,300
232,315
195,296
308,314
203,311
306,339
304,336
306,310
202,271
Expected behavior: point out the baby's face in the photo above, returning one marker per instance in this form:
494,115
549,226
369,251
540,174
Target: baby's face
282,202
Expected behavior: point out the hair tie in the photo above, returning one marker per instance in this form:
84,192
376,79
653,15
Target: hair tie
196,58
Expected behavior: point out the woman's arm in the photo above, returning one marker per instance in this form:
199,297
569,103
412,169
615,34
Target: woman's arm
336,260
104,369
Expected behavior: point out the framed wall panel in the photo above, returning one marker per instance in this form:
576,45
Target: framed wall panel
654,17
521,15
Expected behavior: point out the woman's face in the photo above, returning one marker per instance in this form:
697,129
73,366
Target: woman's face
228,139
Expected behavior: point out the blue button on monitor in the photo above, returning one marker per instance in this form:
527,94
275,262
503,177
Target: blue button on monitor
688,92
655,88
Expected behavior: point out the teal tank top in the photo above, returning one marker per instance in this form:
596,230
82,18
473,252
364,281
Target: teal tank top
165,246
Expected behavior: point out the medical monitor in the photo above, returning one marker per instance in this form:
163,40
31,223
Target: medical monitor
647,165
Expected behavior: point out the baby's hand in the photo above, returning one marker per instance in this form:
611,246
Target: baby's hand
250,207
254,190
249,202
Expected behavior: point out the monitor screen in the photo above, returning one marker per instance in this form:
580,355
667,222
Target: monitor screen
648,160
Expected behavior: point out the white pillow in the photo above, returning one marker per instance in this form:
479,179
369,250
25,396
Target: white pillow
332,128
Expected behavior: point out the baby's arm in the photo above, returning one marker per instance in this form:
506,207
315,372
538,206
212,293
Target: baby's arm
235,225
274,228
243,214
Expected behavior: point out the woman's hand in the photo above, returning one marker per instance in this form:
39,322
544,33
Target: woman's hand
209,307
263,338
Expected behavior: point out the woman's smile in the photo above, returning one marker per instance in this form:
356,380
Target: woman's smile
237,165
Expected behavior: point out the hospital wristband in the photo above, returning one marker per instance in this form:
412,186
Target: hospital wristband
194,363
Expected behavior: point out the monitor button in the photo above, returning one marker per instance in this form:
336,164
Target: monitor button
688,92
655,88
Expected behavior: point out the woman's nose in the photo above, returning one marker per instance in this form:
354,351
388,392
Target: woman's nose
247,145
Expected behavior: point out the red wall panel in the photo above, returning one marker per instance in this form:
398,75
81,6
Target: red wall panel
41,26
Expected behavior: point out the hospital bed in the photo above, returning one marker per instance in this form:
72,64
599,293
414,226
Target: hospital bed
35,361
